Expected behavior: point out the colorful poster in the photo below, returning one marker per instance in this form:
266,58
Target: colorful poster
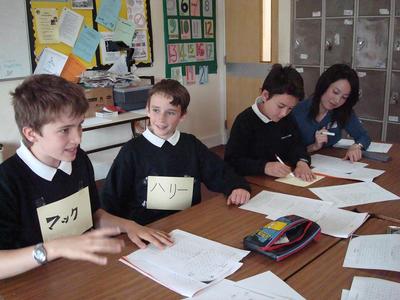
190,39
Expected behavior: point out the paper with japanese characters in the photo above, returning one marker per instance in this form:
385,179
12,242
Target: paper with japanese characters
170,193
354,194
378,252
189,265
368,288
69,216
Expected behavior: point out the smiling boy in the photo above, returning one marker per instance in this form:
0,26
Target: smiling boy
47,189
163,159
265,132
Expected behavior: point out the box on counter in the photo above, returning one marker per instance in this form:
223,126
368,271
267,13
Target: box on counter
131,98
98,98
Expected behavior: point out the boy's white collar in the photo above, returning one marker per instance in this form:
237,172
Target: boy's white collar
257,111
159,142
39,168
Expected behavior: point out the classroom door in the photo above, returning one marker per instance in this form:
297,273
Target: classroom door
245,73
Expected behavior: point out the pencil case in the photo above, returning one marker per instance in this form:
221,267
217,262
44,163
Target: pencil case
283,237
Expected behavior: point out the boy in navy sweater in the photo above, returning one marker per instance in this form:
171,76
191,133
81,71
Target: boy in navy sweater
161,171
48,195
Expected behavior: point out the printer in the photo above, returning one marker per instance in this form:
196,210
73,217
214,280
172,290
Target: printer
131,97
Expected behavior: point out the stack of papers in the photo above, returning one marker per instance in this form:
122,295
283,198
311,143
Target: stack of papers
378,252
190,265
333,221
373,147
337,167
262,286
368,288
353,194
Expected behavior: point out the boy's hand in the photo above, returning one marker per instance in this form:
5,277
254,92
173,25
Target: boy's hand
353,153
158,238
276,169
85,247
303,171
238,197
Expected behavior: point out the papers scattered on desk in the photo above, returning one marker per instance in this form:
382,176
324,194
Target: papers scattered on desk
189,265
337,167
373,147
378,252
333,221
354,194
262,286
298,182
367,288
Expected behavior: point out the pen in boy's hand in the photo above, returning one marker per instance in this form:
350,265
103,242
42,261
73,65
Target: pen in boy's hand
281,161
327,133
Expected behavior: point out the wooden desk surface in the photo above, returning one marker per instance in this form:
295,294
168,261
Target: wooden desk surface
212,219
325,277
390,180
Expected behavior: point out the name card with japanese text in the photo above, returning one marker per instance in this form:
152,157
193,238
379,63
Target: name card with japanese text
169,193
66,217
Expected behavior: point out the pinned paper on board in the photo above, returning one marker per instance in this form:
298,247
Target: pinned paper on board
47,25
50,62
72,69
124,31
87,43
108,13
69,27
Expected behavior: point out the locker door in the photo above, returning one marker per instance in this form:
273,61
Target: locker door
396,44
397,8
310,77
338,41
308,8
374,130
337,8
394,100
372,42
372,94
374,8
393,133
307,42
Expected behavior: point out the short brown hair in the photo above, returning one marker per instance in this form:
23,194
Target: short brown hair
171,89
40,99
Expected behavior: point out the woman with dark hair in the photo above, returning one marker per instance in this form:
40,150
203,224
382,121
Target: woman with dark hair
322,117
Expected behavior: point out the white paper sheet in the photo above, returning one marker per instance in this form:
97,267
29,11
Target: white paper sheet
367,288
378,251
361,174
354,194
69,26
333,163
345,294
188,265
373,147
333,221
50,62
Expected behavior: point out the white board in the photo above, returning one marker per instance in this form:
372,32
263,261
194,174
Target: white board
15,59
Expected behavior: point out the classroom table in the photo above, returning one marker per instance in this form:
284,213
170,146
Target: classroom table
390,180
212,219
325,277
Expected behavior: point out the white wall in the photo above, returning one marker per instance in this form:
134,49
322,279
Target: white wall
206,113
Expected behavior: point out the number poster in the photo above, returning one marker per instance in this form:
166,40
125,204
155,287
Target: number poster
190,47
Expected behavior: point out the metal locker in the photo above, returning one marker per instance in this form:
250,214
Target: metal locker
338,8
307,43
338,41
396,45
394,98
310,77
372,94
374,8
397,8
308,8
372,42
374,129
393,133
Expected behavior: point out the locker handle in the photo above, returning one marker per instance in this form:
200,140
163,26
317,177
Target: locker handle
361,44
328,45
395,98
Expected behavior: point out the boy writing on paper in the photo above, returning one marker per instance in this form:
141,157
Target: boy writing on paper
161,171
47,189
264,136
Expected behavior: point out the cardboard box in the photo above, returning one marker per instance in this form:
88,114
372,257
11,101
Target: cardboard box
98,98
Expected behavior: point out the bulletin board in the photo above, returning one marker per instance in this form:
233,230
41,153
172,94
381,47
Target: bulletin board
43,12
15,58
190,39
